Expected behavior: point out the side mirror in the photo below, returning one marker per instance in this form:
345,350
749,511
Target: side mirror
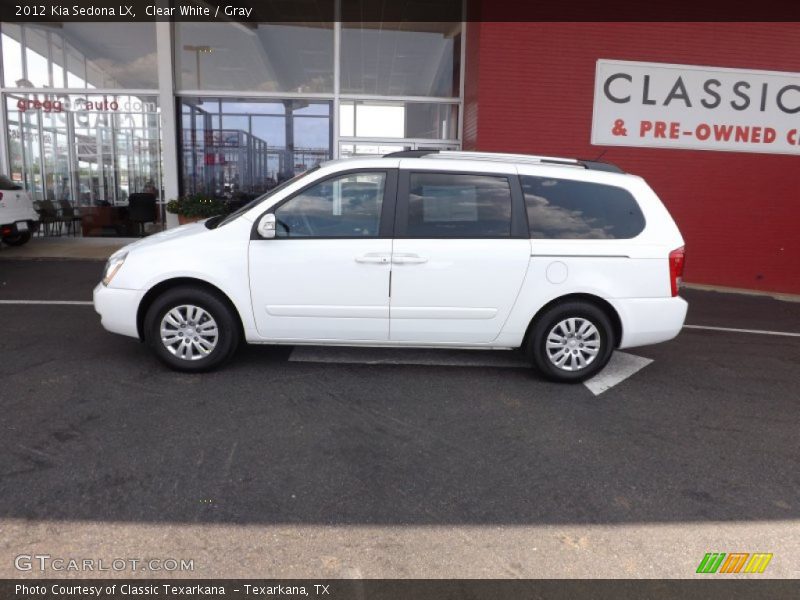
266,226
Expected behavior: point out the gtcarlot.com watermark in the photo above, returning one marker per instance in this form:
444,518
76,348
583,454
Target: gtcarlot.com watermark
45,563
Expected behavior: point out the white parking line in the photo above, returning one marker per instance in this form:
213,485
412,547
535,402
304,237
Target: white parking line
621,366
735,330
55,302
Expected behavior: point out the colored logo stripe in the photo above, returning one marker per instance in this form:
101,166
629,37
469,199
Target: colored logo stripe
758,562
735,561
711,562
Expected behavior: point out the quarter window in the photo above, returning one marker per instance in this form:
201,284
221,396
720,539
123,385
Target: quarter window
567,209
453,205
348,206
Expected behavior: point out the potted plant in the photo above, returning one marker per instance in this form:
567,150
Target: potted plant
195,207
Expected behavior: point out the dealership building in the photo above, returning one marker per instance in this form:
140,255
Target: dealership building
707,113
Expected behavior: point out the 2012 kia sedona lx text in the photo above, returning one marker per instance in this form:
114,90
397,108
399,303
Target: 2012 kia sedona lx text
562,258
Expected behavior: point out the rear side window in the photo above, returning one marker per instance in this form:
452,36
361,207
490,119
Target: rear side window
458,205
566,209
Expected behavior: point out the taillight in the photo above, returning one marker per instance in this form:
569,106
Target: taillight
1,195
677,258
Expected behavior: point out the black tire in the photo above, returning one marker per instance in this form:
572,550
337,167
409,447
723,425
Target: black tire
19,239
227,326
545,323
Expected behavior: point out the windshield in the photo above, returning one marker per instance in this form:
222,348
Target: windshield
216,222
7,184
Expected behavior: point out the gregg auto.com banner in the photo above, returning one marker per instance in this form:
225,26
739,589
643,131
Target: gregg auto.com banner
697,108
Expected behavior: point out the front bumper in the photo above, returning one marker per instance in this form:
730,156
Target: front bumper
650,320
117,309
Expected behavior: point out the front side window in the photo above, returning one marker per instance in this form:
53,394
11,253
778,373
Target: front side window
348,206
458,205
567,209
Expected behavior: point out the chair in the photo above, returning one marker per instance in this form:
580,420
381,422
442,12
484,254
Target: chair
69,217
48,216
142,209
53,213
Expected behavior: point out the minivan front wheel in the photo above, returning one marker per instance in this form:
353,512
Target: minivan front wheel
571,341
191,329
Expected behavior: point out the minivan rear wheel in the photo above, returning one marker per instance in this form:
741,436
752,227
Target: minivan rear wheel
191,329
571,341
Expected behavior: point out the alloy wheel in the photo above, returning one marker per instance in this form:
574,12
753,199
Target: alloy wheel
573,344
189,332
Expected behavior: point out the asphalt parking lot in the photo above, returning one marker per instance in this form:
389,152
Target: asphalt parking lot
316,464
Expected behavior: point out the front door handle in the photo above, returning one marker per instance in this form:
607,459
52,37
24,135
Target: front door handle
377,258
408,259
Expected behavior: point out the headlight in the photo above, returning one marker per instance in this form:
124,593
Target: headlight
112,266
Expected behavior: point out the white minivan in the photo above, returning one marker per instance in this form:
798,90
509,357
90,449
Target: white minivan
564,259
18,219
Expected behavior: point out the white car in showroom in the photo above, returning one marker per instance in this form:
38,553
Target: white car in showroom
564,259
18,219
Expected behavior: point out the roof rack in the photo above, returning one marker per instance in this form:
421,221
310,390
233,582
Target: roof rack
409,153
498,156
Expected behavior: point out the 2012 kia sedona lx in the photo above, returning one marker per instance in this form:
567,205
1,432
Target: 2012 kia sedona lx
564,259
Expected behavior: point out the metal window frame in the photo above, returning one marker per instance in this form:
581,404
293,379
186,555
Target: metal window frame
336,97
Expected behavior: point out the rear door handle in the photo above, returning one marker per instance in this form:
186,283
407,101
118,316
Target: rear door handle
408,259
377,258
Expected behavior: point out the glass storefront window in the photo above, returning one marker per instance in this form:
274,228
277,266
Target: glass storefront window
399,87
401,59
36,57
91,151
80,55
348,150
12,53
373,119
76,68
277,57
235,149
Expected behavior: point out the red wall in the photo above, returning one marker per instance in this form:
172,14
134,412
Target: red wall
529,88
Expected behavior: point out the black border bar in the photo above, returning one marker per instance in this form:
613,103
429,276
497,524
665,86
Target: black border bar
385,11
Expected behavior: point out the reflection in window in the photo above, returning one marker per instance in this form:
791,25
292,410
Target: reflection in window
401,59
566,209
80,55
12,53
347,150
277,57
236,149
86,152
348,206
458,206
372,119
36,57
76,68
